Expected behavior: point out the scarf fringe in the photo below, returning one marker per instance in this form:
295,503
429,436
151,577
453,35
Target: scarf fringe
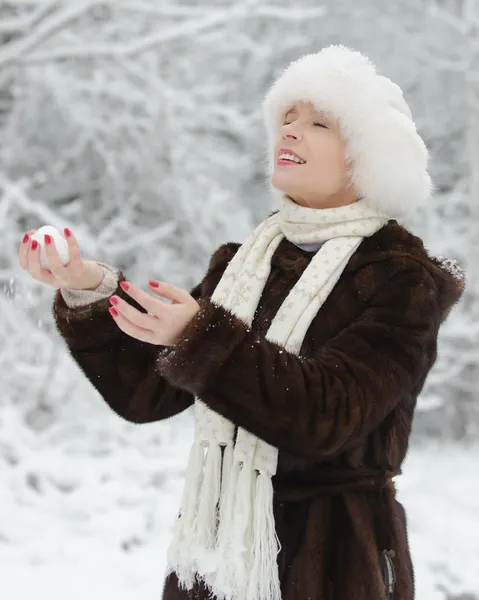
231,578
228,455
264,582
206,518
178,554
227,503
229,480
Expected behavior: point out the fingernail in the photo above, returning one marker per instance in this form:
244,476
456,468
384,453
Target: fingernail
67,232
124,286
26,238
113,312
154,283
34,245
114,300
48,239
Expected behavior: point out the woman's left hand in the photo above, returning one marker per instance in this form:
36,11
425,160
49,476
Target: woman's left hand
165,323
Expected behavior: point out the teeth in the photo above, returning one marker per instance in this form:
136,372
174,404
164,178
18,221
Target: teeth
293,158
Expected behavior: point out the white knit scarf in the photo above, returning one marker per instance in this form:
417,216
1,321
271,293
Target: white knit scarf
225,530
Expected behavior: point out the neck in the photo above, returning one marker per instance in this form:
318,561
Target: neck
342,198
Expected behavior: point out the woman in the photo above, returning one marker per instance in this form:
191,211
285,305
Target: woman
303,351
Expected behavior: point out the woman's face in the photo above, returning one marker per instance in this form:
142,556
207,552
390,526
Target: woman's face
321,181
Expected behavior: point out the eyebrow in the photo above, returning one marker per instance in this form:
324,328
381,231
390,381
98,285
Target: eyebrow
321,115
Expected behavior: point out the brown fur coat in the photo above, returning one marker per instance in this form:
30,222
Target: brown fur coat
340,413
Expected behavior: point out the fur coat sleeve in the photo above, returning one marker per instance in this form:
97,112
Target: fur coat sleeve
324,404
121,368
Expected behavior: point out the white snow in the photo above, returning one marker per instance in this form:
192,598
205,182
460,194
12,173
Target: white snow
452,266
59,241
89,514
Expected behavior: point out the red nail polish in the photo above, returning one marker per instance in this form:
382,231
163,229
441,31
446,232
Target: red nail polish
48,239
26,238
34,245
114,300
67,232
113,312
154,284
124,286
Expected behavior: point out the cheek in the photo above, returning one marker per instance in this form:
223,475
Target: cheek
329,160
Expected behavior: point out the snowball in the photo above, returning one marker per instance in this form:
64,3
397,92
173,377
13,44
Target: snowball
59,241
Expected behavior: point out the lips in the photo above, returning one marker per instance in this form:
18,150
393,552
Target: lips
289,151
287,163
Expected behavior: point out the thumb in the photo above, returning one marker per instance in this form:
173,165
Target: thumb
170,291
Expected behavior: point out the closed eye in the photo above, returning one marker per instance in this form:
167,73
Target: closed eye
320,124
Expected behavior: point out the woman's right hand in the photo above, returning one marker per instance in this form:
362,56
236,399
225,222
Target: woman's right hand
77,274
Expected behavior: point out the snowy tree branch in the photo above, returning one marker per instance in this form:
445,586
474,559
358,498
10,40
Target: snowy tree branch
43,212
20,25
189,29
19,48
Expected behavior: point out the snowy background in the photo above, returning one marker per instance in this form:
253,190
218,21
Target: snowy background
138,124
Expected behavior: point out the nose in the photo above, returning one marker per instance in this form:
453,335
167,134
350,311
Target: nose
288,131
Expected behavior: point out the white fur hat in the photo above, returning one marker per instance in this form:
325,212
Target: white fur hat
388,157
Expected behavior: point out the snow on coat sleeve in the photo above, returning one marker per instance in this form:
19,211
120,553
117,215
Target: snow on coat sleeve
321,405
121,368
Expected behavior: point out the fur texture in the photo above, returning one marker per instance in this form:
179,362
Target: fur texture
340,413
388,157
